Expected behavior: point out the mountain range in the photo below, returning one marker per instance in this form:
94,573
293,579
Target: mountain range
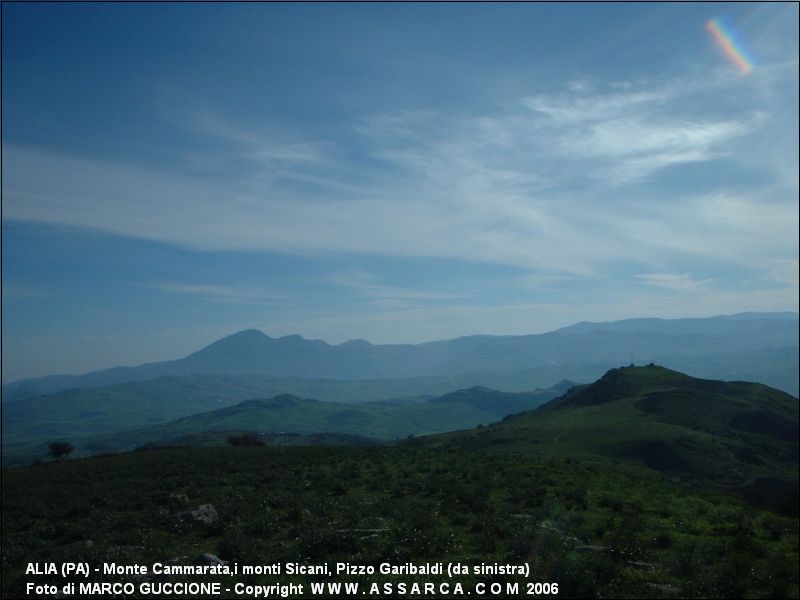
759,347
432,387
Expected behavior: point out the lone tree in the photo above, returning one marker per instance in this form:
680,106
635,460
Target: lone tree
246,439
61,449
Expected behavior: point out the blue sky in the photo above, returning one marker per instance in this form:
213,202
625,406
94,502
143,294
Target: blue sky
399,173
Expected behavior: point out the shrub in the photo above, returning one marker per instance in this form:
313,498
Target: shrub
61,450
246,439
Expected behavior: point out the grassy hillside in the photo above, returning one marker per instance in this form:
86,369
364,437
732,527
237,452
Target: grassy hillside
597,530
730,433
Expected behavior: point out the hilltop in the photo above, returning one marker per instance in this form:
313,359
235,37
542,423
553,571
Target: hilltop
732,434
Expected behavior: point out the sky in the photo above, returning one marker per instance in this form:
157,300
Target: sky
174,173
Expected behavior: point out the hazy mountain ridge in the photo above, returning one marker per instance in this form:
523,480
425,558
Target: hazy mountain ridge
96,410
753,346
282,414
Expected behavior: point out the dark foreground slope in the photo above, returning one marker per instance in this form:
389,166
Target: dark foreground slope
736,435
595,529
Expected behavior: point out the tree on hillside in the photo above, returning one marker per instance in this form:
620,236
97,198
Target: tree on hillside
61,449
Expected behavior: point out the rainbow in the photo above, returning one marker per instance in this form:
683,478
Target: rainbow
724,37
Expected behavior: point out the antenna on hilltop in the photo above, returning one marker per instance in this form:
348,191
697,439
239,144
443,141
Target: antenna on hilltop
631,357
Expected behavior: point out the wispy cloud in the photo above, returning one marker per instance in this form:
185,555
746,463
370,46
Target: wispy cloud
674,281
259,147
520,186
784,272
224,293
629,136
579,104
366,284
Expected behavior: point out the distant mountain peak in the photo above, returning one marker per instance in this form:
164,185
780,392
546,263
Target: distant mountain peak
751,346
481,388
239,343
246,334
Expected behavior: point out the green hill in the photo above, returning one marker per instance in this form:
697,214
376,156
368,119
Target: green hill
732,434
75,413
385,420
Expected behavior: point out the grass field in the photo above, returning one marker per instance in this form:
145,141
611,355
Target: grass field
596,528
